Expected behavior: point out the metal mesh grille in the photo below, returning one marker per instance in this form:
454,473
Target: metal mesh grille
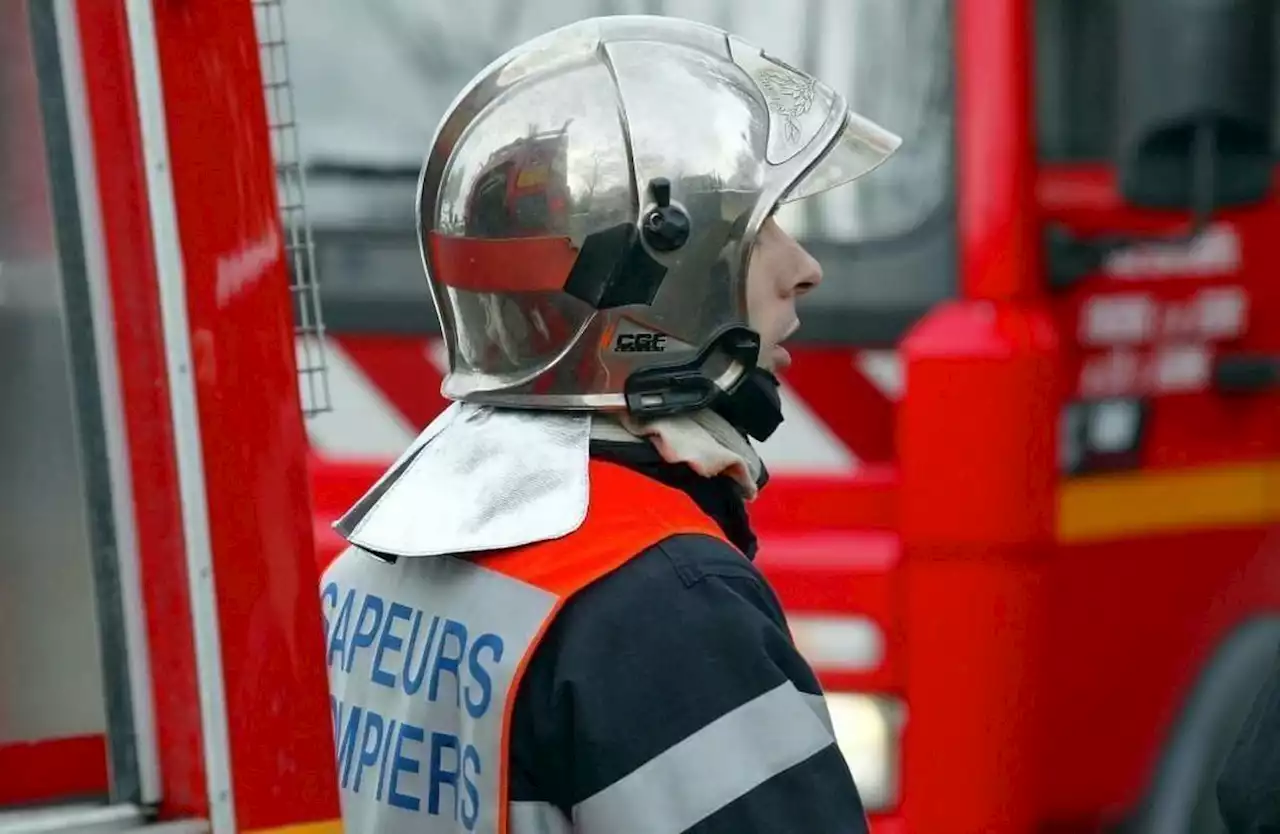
313,376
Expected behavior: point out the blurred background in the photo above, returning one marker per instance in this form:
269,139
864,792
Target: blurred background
372,81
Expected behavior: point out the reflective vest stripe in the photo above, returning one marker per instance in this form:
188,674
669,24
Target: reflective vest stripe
524,824
426,656
538,818
626,508
706,771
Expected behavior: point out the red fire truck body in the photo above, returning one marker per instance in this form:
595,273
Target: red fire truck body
161,656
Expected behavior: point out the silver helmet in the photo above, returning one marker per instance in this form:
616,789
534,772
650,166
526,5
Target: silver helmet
588,207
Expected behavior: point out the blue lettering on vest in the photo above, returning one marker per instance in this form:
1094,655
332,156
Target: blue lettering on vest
412,681
440,774
450,663
371,613
389,746
389,641
338,639
328,595
480,675
382,757
404,764
433,645
347,744
386,750
370,746
470,770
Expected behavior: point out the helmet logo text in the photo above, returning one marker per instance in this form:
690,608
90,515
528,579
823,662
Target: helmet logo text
640,343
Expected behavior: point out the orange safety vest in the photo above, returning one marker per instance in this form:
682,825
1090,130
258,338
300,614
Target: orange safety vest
426,655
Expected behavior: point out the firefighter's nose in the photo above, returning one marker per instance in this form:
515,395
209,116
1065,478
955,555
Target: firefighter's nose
805,271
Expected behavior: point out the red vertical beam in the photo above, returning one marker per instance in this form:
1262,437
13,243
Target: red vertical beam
976,434
254,451
995,135
130,263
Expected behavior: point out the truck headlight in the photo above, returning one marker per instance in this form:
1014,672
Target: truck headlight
868,731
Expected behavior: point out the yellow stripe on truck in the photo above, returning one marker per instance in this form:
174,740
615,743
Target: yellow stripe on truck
1123,505
325,827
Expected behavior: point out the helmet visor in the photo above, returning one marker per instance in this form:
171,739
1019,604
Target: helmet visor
860,147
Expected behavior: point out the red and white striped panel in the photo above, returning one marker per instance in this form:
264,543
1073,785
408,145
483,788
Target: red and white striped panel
838,404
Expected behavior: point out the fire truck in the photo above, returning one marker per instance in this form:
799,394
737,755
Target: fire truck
161,664
1025,509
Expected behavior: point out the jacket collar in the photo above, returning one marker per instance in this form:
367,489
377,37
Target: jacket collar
720,497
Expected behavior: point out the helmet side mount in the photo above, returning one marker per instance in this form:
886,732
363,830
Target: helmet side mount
666,227
615,269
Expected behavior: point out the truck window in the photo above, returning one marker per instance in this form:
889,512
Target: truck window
372,79
1075,78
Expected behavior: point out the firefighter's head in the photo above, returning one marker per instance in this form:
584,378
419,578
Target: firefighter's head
596,220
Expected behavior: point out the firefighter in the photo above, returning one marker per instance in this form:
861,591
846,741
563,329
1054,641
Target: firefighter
1249,786
549,620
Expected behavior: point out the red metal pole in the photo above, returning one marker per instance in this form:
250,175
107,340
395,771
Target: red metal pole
254,445
188,199
995,135
976,433
140,349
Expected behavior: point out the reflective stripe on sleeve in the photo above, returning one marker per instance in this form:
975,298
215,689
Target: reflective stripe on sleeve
818,703
537,818
708,770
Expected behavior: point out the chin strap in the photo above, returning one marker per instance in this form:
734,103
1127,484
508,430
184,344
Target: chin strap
755,406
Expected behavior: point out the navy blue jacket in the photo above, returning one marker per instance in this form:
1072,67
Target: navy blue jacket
638,666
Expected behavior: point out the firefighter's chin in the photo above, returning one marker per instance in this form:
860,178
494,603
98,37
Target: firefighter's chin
779,359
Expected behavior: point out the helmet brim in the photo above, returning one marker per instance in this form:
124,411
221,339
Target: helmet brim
860,147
